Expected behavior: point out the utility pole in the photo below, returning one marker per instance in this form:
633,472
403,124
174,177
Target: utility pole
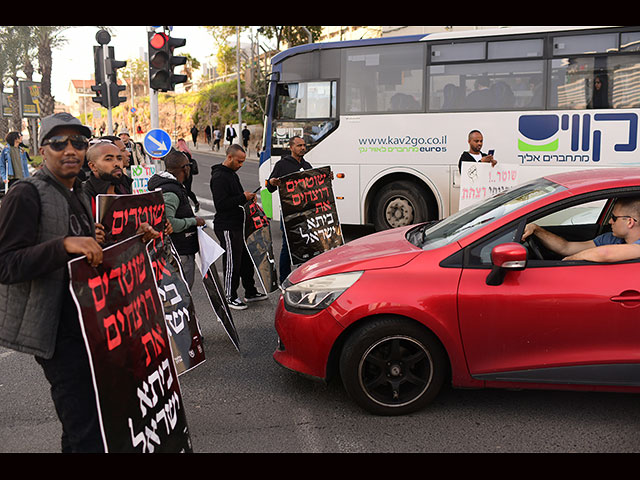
239,132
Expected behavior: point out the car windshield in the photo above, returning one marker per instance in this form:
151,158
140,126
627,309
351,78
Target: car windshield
468,220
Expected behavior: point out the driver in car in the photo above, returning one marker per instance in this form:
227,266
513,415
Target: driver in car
622,243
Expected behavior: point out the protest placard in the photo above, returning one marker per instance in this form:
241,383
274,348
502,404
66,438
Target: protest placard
138,396
309,213
121,215
257,238
209,252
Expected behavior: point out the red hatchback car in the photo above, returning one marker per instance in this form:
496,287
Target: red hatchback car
399,312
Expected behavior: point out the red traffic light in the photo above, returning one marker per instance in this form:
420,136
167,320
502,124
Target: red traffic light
158,41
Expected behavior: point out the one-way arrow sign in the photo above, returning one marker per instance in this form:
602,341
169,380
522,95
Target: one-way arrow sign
157,143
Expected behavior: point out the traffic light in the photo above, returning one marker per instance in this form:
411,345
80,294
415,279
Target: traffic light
162,61
100,86
174,61
112,66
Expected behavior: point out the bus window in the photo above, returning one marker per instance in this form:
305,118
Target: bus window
595,82
305,109
486,86
388,78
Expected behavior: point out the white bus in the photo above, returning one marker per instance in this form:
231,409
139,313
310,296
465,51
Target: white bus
391,116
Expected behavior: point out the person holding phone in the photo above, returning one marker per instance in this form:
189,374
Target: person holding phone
475,151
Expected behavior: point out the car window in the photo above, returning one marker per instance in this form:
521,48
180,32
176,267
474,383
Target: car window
480,255
583,214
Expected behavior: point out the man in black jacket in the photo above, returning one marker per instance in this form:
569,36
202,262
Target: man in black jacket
474,154
285,166
178,209
228,198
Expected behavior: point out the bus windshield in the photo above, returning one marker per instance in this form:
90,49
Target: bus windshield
304,109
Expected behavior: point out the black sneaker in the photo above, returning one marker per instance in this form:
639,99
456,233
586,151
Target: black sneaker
256,297
237,304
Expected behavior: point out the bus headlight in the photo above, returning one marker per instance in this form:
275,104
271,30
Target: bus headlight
318,293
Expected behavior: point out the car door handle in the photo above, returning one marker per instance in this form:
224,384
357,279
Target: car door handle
629,296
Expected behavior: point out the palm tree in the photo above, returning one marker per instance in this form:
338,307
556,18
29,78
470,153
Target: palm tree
47,38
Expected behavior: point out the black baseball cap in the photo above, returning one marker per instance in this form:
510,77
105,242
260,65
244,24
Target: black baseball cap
61,119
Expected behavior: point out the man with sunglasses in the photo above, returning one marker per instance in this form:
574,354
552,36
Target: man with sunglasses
619,245
45,221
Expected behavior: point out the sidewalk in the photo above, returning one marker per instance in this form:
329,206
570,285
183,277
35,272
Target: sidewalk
202,147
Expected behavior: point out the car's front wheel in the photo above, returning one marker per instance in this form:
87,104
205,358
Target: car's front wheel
392,366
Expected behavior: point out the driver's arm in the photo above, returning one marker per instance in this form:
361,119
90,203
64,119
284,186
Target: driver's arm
608,253
554,242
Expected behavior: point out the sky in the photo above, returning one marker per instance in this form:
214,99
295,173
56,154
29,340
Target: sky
75,59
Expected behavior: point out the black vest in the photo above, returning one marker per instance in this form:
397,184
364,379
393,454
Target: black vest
186,242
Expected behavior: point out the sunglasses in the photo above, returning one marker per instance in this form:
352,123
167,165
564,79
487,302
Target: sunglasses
616,217
59,142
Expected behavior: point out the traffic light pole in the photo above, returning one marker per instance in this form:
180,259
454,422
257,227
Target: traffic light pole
105,55
153,99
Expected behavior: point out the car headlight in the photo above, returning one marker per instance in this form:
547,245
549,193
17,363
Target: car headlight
318,293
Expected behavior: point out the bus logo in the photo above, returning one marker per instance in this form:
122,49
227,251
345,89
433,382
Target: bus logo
584,134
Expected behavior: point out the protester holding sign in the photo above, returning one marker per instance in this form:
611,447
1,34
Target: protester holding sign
178,209
285,166
229,197
45,221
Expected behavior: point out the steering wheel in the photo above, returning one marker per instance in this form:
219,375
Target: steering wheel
532,245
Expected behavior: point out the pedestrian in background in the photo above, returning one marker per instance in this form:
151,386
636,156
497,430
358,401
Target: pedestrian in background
137,156
246,134
178,210
45,221
194,136
228,224
217,136
194,170
14,164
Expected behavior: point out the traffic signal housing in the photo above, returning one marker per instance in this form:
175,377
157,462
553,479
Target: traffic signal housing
162,61
100,87
112,65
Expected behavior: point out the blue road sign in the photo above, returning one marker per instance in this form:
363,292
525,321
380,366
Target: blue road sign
157,143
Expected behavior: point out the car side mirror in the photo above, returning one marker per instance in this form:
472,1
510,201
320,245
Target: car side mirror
505,257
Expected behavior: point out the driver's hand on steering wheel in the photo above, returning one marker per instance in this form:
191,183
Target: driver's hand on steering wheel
529,230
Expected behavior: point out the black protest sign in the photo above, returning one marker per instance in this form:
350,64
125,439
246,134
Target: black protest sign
257,238
209,252
139,400
121,215
309,213
219,304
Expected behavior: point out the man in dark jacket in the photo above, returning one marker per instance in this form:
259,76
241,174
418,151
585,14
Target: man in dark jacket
45,221
285,166
228,198
178,209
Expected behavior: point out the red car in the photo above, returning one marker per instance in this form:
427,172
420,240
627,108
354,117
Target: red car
397,313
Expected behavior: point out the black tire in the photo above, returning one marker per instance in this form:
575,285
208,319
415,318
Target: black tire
392,366
398,204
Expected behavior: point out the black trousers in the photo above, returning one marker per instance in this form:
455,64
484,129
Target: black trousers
69,375
237,264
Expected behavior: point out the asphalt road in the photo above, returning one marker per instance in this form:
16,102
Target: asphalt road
243,402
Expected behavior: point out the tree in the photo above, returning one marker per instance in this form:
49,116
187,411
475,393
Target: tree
289,34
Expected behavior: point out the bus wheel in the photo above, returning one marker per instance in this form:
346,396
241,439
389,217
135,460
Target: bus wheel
399,204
